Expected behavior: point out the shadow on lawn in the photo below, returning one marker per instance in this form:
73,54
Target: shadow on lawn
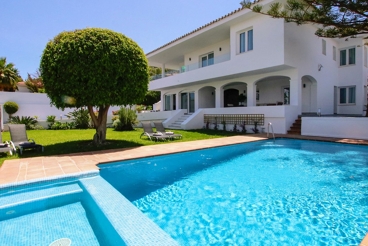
79,146
212,132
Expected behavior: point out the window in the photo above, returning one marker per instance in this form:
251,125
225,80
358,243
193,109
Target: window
286,91
347,95
246,41
167,102
207,60
347,56
323,46
334,53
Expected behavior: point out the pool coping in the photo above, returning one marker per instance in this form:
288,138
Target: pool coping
17,171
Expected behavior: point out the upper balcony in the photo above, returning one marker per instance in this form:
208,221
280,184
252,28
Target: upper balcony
194,66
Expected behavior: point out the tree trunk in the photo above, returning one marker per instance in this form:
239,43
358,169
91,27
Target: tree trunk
99,123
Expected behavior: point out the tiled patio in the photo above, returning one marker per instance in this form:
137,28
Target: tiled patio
23,169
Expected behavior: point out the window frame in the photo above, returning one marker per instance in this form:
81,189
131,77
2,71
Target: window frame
324,45
245,36
347,56
347,95
207,59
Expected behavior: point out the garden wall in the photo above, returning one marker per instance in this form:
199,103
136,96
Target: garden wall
338,127
35,104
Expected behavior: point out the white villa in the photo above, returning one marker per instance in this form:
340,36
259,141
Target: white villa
246,67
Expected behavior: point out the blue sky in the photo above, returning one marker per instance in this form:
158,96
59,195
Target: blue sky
27,25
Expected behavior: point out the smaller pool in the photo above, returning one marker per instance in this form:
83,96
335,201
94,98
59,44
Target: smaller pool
82,209
69,221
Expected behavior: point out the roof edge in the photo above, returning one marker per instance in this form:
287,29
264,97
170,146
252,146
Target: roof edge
196,30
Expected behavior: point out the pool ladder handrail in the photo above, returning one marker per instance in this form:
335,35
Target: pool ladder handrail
268,131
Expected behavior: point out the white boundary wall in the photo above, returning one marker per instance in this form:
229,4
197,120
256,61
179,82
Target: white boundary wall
36,104
338,127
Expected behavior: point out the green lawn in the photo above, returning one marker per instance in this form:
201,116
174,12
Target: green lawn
73,141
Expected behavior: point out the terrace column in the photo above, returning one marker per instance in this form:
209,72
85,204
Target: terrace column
295,91
218,97
162,102
251,94
177,101
163,70
196,100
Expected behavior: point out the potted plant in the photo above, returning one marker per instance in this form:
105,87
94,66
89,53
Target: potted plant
242,98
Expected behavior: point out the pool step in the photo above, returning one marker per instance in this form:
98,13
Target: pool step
18,204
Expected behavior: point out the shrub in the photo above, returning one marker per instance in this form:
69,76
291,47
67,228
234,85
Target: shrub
30,122
140,108
50,119
115,115
38,127
127,118
80,118
255,129
11,108
223,125
57,125
34,83
244,129
235,128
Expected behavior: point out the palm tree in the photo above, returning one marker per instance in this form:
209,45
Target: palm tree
9,76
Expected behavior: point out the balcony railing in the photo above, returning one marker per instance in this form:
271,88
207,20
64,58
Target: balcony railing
193,66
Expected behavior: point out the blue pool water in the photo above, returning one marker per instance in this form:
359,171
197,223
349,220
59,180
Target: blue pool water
293,192
68,221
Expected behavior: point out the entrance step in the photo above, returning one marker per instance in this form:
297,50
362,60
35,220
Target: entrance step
177,123
296,128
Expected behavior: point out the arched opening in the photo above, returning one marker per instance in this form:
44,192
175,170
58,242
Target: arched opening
231,98
273,90
235,94
207,97
309,94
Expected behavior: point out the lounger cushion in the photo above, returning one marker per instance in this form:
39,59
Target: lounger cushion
169,133
23,144
157,134
3,145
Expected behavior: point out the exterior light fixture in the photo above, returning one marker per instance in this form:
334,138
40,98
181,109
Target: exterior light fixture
220,49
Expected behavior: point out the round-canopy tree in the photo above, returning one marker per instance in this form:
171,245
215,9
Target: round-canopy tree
95,68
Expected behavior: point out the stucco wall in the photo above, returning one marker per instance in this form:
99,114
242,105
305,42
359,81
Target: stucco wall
339,127
36,104
303,50
281,117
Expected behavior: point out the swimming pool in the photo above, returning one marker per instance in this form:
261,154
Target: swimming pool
293,192
82,209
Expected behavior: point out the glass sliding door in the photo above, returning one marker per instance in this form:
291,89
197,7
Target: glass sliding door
174,102
167,102
187,101
191,102
184,100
